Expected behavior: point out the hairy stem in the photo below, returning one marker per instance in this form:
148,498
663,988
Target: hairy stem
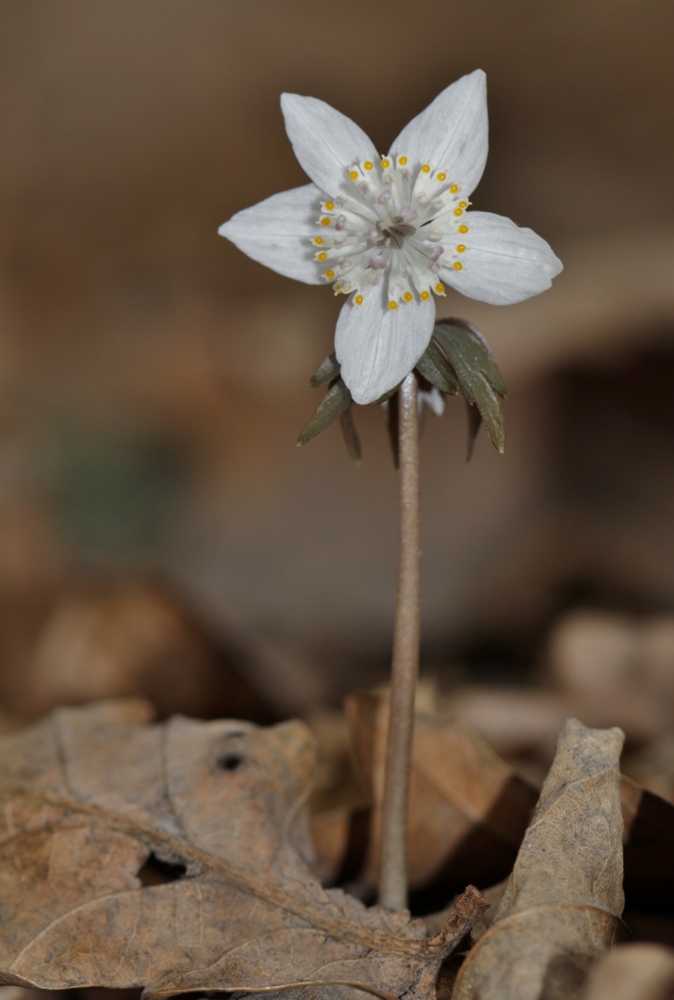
393,842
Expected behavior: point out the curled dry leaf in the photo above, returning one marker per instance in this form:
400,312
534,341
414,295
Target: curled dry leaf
633,972
562,904
173,857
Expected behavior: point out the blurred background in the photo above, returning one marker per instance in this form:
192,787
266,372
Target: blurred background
159,531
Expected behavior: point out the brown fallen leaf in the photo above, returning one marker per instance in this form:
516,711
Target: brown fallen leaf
561,907
468,808
173,857
633,972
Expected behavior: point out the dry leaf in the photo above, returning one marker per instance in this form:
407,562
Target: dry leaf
462,796
562,904
171,857
633,972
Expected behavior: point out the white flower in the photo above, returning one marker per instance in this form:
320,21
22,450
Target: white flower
391,231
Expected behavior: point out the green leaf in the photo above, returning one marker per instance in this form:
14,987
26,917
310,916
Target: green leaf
350,433
326,372
436,369
474,424
336,401
479,378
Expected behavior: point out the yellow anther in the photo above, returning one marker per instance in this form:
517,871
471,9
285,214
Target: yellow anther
426,168
440,288
329,206
463,228
338,288
441,177
463,204
386,164
457,211
454,188
353,174
318,241
322,256
325,222
408,297
368,165
330,274
425,296
458,266
392,305
358,300
402,160
460,248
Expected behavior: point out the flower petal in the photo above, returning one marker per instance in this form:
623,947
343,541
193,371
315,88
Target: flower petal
452,133
377,347
502,263
277,232
325,141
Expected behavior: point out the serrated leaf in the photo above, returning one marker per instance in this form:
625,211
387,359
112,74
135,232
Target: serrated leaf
436,369
478,376
337,399
326,372
470,344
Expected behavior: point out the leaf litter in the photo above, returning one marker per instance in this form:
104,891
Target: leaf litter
93,798
178,857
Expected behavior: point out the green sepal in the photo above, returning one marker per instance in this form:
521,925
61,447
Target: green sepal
436,369
326,372
479,378
336,401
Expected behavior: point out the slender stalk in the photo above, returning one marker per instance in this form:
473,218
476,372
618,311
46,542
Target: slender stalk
393,839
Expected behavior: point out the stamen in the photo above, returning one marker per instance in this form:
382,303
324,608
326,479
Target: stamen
322,256
385,164
393,305
463,204
440,288
402,160
408,297
330,274
426,168
425,296
325,222
441,178
329,206
458,211
454,188
318,240
458,266
460,248
463,228
358,300
353,174
368,165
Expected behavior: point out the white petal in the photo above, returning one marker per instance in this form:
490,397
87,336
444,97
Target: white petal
325,141
502,263
452,133
277,232
377,347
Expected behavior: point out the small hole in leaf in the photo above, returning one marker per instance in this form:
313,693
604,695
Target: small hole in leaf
231,761
156,871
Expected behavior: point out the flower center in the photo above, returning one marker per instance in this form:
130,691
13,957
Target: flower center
394,224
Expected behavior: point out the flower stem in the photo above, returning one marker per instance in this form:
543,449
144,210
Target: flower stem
393,839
